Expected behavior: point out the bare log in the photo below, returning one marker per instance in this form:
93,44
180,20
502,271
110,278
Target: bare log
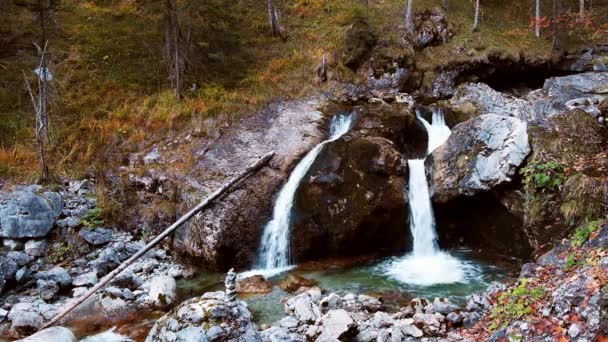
257,165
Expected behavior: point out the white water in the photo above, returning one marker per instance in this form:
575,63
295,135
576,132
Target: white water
274,255
426,264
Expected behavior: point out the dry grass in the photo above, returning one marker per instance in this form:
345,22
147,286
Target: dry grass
113,95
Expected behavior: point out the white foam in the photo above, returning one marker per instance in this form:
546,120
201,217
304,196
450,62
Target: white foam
426,270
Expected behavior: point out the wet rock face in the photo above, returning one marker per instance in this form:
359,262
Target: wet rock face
396,122
479,155
228,233
351,201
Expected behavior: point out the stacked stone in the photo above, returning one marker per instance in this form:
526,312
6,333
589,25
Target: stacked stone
230,283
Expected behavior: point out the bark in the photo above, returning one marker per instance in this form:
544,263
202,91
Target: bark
409,20
202,205
273,18
176,51
555,32
582,7
476,20
537,20
41,102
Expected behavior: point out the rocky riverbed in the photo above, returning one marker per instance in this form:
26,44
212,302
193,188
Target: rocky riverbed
56,248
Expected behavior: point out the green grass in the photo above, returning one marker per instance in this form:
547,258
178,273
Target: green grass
515,303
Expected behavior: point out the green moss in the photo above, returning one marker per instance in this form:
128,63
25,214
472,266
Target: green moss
515,303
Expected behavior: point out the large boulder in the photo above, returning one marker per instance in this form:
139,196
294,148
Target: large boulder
228,232
207,318
351,201
574,145
24,213
54,334
558,95
481,154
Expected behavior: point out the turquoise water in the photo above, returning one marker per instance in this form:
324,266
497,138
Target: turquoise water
364,277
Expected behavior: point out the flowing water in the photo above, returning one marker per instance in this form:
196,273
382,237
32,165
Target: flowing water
274,255
425,272
427,265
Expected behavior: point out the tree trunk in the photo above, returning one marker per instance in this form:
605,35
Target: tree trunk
537,20
582,7
273,18
555,32
175,47
444,4
409,20
40,102
476,20
202,205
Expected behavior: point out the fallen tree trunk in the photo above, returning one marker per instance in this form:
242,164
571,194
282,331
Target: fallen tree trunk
202,205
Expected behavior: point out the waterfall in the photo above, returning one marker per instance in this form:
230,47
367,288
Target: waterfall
426,264
274,252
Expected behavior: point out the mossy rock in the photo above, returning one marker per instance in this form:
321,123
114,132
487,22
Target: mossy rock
575,140
359,42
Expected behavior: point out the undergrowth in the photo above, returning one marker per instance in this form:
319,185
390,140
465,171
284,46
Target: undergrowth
515,303
113,95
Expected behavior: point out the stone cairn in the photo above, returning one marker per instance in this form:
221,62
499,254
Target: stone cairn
230,283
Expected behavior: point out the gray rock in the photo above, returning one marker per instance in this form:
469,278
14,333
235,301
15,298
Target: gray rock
22,274
56,274
86,279
20,258
35,248
25,214
337,324
114,306
331,302
8,268
47,289
69,222
235,222
454,318
114,292
53,334
577,85
56,202
528,270
444,306
79,291
97,236
481,154
207,318
152,157
305,310
371,304
12,245
25,317
162,291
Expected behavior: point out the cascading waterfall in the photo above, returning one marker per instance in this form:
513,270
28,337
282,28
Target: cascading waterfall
274,255
426,264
